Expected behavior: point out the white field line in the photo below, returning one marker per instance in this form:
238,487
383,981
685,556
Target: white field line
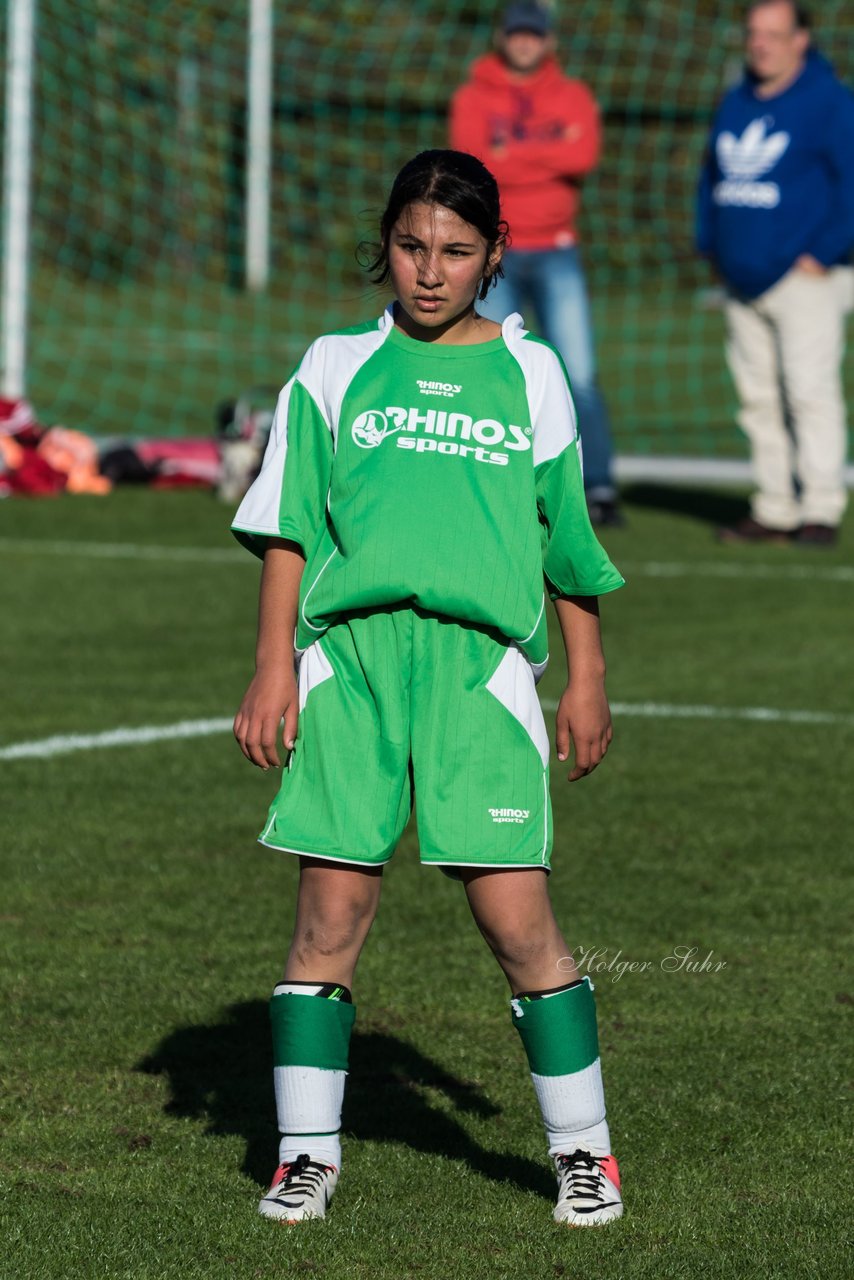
234,555
124,551
760,715
726,569
65,744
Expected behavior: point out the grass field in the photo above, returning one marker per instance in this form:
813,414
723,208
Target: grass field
143,929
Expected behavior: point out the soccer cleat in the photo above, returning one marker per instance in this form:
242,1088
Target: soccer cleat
750,530
299,1190
588,1189
606,513
817,535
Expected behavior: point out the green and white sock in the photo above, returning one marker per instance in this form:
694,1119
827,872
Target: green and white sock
311,1042
558,1030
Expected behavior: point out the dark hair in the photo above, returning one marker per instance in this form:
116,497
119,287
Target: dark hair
803,20
458,182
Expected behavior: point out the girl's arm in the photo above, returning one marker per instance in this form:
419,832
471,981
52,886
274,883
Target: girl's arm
583,716
272,694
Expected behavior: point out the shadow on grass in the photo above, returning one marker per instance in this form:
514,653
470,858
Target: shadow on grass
222,1074
710,506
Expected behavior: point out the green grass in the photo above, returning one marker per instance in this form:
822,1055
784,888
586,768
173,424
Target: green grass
143,928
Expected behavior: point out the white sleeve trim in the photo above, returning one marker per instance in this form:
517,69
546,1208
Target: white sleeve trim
325,373
553,416
332,362
259,510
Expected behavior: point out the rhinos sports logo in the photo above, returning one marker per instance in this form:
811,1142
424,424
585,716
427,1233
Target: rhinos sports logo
371,428
445,434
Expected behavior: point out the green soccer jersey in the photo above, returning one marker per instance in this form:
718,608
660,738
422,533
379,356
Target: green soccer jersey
446,478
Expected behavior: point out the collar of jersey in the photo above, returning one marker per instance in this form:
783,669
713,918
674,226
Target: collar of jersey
444,350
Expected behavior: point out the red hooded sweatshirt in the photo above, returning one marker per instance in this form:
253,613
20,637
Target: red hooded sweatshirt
539,135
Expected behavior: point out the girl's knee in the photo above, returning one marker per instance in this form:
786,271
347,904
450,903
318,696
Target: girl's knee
516,946
335,926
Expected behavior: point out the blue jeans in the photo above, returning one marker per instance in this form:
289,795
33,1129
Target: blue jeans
553,281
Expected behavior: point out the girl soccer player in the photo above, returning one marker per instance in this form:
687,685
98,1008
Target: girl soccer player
420,494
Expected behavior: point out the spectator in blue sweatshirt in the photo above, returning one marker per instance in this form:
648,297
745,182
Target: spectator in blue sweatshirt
776,217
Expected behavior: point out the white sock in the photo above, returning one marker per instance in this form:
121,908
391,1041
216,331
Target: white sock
308,1105
573,1109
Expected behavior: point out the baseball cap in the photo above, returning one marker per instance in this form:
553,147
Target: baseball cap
526,16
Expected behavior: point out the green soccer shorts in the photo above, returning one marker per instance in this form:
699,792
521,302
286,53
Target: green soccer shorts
398,702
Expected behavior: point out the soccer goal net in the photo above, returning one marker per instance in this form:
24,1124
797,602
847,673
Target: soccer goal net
140,318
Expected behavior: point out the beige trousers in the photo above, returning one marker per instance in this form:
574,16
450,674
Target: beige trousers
785,351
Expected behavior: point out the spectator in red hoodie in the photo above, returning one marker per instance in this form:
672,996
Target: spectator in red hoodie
539,134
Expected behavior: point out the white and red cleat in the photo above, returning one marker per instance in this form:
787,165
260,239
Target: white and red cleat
588,1189
299,1190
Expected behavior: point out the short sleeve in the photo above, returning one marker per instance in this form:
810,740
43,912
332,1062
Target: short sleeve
574,561
288,498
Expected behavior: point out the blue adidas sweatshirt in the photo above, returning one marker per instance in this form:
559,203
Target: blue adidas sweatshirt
778,180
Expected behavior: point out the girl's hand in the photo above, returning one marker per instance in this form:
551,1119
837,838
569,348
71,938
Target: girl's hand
271,697
583,721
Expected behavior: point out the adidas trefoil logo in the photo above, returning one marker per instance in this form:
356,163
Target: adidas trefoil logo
745,159
752,154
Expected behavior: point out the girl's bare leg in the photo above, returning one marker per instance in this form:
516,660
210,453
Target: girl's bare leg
336,907
513,912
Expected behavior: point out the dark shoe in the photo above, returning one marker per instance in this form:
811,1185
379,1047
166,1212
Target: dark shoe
817,535
750,530
607,514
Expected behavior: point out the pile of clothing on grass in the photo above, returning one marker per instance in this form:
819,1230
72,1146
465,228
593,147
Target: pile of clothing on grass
38,461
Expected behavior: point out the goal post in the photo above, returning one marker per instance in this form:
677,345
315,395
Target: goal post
259,144
14,277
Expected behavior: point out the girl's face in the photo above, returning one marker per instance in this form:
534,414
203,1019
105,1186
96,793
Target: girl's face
436,263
